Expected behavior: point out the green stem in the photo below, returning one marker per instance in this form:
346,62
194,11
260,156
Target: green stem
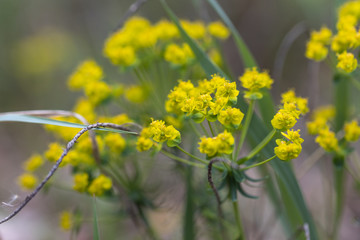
244,131
260,146
238,221
258,164
193,156
204,129
211,129
170,155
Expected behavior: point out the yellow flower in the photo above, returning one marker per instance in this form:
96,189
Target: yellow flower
290,97
287,150
208,146
347,62
176,122
283,121
97,92
322,36
293,136
100,185
222,143
316,125
352,131
327,140
227,90
325,112
217,29
66,220
85,73
136,94
120,55
81,182
166,30
161,133
178,55
27,181
254,81
143,144
195,29
33,163
115,142
230,117
54,152
316,51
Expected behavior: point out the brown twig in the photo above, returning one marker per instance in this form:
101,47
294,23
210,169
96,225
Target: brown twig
58,162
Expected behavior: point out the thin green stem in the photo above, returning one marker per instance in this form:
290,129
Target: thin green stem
211,129
238,221
182,160
193,156
204,129
194,128
258,164
244,131
260,146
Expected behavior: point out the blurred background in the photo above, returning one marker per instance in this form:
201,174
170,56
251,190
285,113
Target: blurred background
41,43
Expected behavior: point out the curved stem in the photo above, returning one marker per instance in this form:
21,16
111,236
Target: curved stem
258,164
259,147
193,156
172,156
204,129
244,131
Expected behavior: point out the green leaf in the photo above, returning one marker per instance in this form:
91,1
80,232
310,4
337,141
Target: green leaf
189,217
96,235
247,57
41,120
208,66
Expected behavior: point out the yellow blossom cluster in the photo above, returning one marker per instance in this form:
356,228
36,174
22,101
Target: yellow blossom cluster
88,76
254,81
159,132
100,185
221,144
66,220
138,38
345,40
211,99
320,125
290,146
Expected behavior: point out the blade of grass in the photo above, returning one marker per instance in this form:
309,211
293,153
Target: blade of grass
247,57
41,120
189,230
96,235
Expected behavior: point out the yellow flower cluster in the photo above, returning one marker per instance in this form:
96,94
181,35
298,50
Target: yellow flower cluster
27,181
139,37
352,131
211,99
319,126
254,81
158,132
88,76
100,185
179,55
346,39
289,147
316,47
33,163
221,144
347,62
66,220
81,182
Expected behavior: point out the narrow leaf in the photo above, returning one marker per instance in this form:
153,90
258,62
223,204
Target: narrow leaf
41,120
